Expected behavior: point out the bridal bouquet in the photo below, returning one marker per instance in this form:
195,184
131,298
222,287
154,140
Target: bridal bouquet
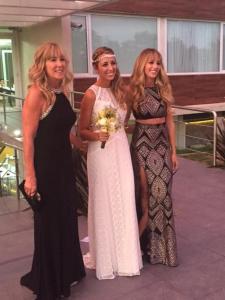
107,120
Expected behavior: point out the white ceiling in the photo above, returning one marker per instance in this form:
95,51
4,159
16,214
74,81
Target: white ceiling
21,13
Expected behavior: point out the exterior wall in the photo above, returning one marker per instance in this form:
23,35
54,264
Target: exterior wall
187,89
56,30
191,9
198,89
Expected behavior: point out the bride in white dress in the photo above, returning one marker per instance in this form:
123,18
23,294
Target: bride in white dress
114,247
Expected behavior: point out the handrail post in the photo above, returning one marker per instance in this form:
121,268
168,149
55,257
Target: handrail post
214,137
4,109
17,174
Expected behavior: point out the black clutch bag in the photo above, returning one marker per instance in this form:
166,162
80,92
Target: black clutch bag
35,201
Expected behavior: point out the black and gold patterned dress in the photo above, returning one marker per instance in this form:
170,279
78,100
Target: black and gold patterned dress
150,149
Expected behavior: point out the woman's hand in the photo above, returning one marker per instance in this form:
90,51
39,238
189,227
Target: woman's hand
103,136
78,143
174,162
83,146
30,186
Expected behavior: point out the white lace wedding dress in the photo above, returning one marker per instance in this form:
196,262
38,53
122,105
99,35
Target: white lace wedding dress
114,247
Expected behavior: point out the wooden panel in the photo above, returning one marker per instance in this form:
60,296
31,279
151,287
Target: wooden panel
187,89
198,89
191,9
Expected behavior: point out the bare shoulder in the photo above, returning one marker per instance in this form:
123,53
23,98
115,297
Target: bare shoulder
34,102
90,94
34,97
89,98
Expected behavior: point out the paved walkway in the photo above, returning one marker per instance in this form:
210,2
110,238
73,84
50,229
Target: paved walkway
199,203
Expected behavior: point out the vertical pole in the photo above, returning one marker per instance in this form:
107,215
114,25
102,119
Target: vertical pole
17,174
4,110
214,137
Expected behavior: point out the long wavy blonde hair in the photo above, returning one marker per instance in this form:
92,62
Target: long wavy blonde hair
138,79
37,72
117,84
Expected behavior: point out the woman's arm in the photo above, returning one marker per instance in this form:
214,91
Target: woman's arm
78,143
128,128
31,113
172,136
86,133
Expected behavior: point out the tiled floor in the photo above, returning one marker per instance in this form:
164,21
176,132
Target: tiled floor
199,204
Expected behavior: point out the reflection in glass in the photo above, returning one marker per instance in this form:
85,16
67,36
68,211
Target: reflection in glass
127,36
223,47
79,44
6,66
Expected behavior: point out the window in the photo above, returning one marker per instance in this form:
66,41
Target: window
79,44
127,36
193,46
6,65
224,47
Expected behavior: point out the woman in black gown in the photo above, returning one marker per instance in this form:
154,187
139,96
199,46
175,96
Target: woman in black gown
47,120
154,159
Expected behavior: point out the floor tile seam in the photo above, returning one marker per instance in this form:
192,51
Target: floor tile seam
169,286
16,231
126,293
9,261
215,252
219,289
186,294
14,212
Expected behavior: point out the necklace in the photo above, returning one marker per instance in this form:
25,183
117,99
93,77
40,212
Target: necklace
56,91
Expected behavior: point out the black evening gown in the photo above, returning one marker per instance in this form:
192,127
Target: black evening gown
57,260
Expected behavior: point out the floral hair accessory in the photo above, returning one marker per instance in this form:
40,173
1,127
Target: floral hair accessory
104,55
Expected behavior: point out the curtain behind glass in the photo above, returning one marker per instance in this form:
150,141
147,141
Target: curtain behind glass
127,36
193,46
223,47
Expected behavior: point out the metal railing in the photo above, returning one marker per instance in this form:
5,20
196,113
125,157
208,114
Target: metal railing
16,177
8,138
10,111
13,142
212,141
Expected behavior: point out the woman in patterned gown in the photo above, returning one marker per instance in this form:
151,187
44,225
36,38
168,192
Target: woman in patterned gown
154,155
112,222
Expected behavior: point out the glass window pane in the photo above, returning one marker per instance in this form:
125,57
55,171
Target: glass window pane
6,66
127,36
193,46
79,44
223,47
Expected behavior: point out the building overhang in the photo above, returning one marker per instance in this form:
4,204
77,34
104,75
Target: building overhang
25,13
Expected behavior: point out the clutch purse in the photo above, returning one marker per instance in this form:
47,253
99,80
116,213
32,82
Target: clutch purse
34,201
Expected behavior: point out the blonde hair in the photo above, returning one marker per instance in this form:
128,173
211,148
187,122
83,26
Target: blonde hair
117,84
37,72
137,81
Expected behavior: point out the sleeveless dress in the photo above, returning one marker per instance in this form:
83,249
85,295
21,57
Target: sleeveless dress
57,260
112,222
150,149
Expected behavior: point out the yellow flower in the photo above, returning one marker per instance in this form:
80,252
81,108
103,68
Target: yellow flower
102,122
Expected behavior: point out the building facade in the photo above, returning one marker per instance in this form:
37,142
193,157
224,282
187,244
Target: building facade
189,34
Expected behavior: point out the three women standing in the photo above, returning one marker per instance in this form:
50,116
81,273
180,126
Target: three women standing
154,155
112,222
